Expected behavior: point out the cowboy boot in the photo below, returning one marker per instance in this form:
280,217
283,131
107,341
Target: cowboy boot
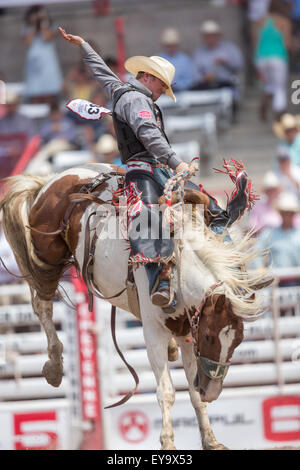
219,220
163,294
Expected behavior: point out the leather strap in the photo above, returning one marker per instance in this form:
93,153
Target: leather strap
130,368
86,190
87,268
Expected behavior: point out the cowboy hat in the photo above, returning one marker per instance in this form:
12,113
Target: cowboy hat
287,121
156,66
170,36
210,27
288,202
11,97
106,144
270,181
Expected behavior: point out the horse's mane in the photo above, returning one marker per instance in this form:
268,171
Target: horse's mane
224,260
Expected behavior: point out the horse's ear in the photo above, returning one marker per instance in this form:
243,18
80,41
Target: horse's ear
219,305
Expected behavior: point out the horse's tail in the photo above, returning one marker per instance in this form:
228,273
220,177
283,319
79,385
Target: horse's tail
20,192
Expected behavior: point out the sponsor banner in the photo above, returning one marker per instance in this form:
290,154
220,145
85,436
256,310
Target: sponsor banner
39,425
89,382
239,422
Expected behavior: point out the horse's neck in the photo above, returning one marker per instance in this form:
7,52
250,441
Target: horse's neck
194,277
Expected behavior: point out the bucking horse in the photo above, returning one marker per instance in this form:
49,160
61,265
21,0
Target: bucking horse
54,222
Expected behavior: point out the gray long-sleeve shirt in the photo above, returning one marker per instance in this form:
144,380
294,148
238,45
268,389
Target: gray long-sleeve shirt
134,108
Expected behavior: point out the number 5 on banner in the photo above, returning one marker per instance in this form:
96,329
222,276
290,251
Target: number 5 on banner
30,429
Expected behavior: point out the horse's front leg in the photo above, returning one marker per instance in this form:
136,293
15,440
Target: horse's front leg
209,442
53,369
157,349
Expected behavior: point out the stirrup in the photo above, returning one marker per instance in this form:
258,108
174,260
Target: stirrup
162,295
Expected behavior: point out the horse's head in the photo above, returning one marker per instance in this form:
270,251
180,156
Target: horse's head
218,333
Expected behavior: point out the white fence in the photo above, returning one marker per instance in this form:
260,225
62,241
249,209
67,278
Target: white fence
33,414
260,398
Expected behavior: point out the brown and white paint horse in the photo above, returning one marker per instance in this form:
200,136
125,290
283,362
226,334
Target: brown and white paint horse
202,261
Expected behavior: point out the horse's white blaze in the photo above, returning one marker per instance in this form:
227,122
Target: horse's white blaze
226,336
213,390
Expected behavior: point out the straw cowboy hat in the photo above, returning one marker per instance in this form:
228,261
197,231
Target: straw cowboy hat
156,66
288,202
287,121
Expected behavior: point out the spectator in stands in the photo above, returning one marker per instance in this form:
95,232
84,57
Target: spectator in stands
184,67
15,132
218,62
43,77
288,131
257,12
58,126
283,241
287,173
58,133
264,213
296,36
112,63
272,62
107,151
78,83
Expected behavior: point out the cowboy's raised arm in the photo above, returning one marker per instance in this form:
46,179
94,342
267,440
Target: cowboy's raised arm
97,65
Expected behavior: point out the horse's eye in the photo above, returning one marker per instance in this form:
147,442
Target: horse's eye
208,338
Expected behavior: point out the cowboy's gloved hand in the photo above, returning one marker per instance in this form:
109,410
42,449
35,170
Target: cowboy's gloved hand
182,167
76,40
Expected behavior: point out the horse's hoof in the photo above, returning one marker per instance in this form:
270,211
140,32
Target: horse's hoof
53,373
169,447
216,446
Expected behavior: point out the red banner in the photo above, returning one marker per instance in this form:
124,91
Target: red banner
88,357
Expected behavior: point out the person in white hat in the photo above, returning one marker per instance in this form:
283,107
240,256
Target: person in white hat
283,241
107,151
264,213
287,129
218,62
16,130
287,173
149,159
184,66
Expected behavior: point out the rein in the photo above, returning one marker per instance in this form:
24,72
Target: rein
212,369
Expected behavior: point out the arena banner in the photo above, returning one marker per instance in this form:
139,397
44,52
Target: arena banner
249,421
35,425
89,381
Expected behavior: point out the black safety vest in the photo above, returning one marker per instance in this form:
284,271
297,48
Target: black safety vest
129,145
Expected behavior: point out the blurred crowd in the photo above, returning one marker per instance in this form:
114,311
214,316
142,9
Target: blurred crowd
276,217
273,28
